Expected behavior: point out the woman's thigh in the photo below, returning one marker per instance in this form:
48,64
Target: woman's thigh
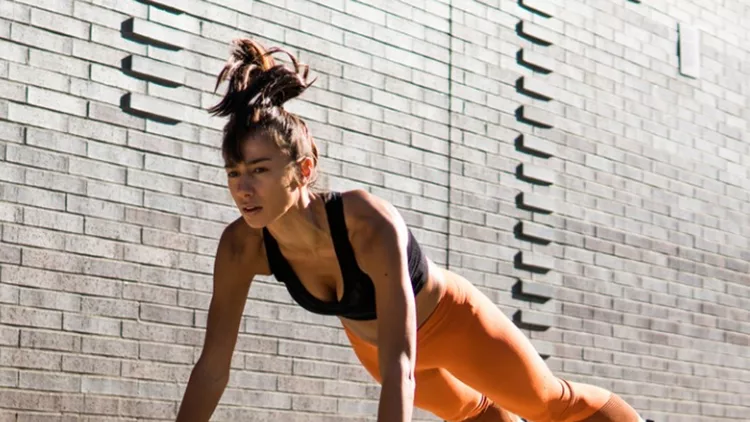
442,394
436,390
482,347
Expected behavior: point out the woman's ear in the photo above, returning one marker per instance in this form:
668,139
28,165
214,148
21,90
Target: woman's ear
306,167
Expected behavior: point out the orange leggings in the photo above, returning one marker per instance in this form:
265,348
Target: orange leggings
469,354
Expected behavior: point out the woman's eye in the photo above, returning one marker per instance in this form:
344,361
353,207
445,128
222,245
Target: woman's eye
260,170
233,173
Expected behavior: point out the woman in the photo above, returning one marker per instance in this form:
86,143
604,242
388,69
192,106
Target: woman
428,336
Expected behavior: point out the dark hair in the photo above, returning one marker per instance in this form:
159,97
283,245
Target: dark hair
257,91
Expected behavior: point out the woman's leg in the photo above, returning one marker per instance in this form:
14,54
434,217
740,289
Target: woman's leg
437,391
484,349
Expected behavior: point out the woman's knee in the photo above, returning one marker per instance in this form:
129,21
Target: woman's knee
576,402
493,413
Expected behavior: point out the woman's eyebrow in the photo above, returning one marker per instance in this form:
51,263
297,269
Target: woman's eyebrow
249,162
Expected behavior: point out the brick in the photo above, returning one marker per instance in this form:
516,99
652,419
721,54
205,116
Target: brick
63,282
151,218
171,166
35,117
11,132
33,237
537,87
91,365
88,128
35,158
49,382
536,174
114,192
96,170
537,231
29,358
60,24
537,289
56,101
155,108
114,115
536,260
91,246
8,378
156,34
536,60
149,255
689,50
154,70
11,213
9,337
180,21
13,52
536,116
195,263
163,314
154,371
94,207
200,227
96,91
91,324
537,202
43,39
30,317
166,353
64,7
9,294
14,11
98,15
111,230
544,8
13,91
173,6
109,386
114,77
537,146
55,181
55,141
109,347
147,142
32,196
50,300
537,33
533,318
115,154
49,340
58,63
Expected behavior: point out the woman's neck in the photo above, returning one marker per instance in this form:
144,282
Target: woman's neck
304,227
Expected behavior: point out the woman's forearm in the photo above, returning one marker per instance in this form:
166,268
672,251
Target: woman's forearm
201,397
396,399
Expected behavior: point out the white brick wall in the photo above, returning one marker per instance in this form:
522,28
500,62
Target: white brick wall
109,220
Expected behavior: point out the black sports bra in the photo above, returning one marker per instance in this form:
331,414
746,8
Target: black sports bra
358,301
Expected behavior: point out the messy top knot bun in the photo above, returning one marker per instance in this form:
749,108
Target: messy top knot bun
257,90
256,81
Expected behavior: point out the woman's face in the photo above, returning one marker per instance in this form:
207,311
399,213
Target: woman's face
262,185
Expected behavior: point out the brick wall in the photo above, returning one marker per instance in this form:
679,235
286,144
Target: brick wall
553,152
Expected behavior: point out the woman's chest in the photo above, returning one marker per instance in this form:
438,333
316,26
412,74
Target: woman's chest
320,276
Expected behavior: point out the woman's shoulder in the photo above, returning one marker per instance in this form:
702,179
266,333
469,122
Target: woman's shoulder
361,205
367,213
242,246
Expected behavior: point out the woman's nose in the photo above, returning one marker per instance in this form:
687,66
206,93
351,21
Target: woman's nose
246,185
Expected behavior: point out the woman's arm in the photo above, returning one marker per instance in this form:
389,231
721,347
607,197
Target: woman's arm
380,242
209,378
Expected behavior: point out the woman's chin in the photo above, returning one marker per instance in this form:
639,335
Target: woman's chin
253,220
254,223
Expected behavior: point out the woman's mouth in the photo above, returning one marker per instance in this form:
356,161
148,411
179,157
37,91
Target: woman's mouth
251,210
